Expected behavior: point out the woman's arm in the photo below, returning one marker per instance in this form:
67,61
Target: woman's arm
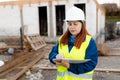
53,53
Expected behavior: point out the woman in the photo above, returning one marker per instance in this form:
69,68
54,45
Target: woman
76,44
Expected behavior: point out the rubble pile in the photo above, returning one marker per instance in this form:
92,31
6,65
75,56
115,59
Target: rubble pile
36,76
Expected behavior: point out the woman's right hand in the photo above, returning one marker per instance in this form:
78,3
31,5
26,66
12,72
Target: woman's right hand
59,56
62,62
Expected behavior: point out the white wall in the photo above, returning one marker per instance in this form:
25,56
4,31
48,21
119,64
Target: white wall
9,20
31,19
101,27
91,17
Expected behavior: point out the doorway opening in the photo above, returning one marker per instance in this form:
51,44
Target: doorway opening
43,21
60,16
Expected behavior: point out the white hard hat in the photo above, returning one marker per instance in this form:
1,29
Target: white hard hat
75,13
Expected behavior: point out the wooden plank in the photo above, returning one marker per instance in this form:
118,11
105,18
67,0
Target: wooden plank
36,59
16,60
22,2
14,46
113,54
29,62
96,69
11,69
44,67
115,49
106,70
8,69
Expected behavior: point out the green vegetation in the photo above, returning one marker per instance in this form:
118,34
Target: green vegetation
112,19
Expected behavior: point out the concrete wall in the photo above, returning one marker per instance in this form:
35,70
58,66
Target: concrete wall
100,36
31,19
91,17
9,20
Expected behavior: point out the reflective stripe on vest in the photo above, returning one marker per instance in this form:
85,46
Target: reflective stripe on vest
75,53
72,74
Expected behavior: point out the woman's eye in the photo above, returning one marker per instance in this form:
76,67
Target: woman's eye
75,24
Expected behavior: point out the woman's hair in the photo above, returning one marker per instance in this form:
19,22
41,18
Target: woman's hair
79,38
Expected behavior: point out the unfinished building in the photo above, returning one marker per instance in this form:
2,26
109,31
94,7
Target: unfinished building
47,18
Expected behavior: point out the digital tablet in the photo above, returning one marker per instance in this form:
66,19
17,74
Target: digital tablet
72,60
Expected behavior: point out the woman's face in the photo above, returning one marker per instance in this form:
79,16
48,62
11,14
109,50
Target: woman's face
74,27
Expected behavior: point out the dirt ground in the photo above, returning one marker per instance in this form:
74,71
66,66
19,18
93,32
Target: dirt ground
104,62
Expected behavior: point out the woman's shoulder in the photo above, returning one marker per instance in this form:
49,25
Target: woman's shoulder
91,38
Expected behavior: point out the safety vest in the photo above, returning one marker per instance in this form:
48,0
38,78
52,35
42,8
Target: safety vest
77,54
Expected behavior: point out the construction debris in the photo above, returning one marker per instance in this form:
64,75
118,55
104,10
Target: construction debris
104,50
18,63
3,45
25,61
35,41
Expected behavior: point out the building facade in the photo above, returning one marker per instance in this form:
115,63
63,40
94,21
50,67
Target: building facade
47,19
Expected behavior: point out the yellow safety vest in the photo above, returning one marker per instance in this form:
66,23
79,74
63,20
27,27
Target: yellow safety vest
75,53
